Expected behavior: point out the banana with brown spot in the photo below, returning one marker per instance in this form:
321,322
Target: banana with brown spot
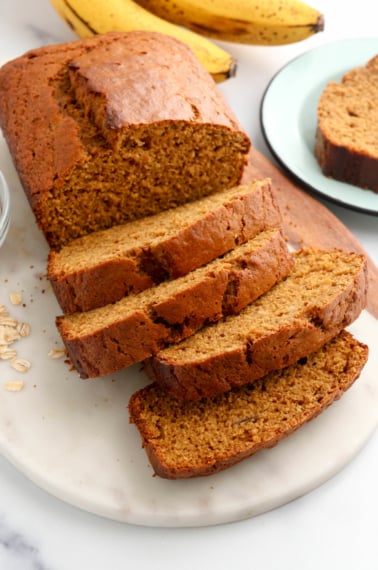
256,22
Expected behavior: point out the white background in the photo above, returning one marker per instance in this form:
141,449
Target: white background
335,526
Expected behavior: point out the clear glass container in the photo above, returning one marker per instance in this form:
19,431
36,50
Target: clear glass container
4,208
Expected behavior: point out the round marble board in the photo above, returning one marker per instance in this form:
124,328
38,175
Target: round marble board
72,437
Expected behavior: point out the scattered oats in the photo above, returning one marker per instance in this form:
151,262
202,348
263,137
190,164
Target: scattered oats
56,353
15,298
10,331
8,334
14,385
8,321
7,354
23,329
20,364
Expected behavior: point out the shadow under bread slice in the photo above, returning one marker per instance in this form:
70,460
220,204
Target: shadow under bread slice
110,338
105,266
324,293
186,439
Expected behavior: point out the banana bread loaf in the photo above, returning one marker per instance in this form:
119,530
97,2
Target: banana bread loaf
347,134
115,127
105,266
190,439
324,292
110,338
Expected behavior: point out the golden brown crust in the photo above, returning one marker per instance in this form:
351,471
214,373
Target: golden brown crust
130,258
300,314
87,160
189,439
110,338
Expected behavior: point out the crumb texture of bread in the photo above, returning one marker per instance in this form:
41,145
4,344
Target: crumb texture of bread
347,132
190,439
110,338
115,127
323,293
104,266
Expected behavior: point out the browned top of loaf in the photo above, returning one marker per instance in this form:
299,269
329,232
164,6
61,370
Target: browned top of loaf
189,439
28,81
104,266
66,110
104,81
324,293
348,111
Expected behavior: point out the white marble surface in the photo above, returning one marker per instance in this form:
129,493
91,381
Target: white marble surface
332,527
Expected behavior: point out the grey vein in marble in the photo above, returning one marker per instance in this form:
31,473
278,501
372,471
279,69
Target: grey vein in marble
16,553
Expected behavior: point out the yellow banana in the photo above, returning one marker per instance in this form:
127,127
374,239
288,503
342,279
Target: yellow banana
91,17
257,22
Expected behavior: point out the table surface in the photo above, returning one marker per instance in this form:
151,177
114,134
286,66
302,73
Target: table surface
334,526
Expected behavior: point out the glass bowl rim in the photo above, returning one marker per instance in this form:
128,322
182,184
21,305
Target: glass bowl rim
4,207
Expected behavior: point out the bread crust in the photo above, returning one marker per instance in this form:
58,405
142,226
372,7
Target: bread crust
112,272
213,434
344,164
346,145
98,344
100,130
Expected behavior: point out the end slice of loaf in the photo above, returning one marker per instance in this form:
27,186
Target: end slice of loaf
105,266
347,134
107,339
107,129
190,439
324,292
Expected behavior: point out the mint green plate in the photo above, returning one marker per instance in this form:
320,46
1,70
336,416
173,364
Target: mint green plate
289,115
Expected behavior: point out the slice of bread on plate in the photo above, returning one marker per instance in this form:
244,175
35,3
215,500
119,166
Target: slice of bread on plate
347,131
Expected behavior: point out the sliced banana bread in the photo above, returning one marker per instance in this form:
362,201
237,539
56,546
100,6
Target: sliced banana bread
115,336
347,134
189,439
105,266
116,127
324,292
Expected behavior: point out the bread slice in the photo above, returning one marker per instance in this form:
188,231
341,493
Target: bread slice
110,338
347,140
105,266
324,292
189,439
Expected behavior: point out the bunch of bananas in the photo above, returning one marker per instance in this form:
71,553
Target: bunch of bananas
257,22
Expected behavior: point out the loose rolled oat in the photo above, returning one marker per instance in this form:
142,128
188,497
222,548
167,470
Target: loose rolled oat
57,353
14,385
20,364
12,330
15,298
